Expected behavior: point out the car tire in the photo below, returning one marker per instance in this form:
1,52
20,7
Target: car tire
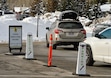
76,46
54,46
47,43
89,57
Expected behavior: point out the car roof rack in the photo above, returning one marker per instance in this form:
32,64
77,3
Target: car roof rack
68,14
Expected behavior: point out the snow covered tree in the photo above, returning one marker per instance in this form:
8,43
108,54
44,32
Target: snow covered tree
3,5
91,2
35,7
51,5
75,5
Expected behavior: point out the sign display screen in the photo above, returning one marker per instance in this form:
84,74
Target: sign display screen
15,37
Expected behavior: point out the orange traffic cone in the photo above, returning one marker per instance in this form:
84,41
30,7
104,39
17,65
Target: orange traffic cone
50,52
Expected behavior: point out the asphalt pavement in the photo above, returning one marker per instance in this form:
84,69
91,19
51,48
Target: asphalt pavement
14,65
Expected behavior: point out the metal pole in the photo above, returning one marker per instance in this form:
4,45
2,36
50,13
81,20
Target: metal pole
37,23
38,13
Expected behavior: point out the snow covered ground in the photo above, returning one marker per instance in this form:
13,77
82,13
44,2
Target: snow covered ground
29,25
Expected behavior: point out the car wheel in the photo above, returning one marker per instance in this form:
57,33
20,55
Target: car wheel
89,57
76,46
54,46
47,43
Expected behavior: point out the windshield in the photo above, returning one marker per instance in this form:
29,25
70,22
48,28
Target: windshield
70,25
106,34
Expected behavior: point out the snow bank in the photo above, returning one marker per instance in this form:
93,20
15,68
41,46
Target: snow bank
29,25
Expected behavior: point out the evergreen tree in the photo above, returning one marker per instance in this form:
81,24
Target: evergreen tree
35,7
79,6
4,6
51,5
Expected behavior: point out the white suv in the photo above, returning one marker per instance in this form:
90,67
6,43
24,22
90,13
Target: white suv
66,32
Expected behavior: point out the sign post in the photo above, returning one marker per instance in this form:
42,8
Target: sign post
29,47
15,37
81,60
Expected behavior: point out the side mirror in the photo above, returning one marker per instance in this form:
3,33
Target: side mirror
47,28
97,35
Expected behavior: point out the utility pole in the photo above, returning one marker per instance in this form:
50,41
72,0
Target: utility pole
38,13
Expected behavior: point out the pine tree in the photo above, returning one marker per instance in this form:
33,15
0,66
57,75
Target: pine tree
4,5
51,5
34,7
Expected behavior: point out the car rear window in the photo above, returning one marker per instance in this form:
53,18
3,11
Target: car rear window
70,25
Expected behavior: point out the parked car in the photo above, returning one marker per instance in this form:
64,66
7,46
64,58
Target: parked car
99,27
99,47
5,12
21,16
66,32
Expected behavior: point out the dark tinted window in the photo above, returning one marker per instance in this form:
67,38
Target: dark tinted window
106,34
70,25
8,13
0,13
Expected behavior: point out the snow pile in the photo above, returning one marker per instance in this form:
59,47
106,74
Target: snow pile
29,25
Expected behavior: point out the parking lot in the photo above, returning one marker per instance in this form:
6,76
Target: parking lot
64,63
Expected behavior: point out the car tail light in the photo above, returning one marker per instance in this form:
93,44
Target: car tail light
57,31
83,31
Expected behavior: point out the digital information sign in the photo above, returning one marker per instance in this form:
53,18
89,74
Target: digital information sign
15,37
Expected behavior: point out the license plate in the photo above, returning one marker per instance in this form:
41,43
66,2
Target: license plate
71,34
